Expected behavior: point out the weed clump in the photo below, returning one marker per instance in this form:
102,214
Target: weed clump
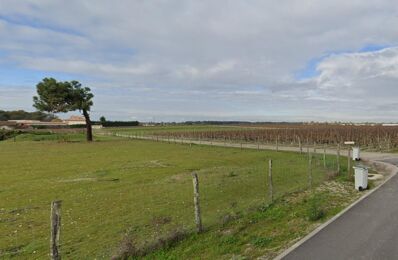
315,210
128,248
261,241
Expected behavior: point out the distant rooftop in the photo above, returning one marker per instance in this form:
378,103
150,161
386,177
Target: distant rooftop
75,118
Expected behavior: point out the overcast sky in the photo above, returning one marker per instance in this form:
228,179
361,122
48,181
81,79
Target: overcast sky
207,60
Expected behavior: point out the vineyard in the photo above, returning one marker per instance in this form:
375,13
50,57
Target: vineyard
371,137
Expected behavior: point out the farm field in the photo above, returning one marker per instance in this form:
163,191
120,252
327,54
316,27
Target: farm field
153,130
369,137
114,188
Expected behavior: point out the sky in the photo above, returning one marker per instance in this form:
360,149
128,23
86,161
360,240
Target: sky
179,60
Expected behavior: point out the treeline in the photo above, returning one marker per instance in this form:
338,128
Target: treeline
117,123
23,115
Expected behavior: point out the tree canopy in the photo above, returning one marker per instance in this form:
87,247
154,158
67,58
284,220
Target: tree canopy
53,96
63,96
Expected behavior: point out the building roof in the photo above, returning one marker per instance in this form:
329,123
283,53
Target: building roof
30,123
76,118
23,121
7,123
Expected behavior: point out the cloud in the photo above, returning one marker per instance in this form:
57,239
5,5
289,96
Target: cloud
253,59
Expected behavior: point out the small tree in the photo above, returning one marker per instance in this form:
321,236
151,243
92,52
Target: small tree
102,120
60,97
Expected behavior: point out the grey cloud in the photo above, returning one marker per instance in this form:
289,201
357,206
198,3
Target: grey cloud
210,58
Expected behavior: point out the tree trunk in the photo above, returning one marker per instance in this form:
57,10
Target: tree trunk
89,128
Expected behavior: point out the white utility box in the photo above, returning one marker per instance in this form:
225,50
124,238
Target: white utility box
355,154
361,178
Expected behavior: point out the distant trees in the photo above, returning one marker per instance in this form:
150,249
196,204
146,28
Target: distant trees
102,120
23,115
120,123
59,97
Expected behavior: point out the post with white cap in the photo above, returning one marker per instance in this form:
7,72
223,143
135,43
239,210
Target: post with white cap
349,163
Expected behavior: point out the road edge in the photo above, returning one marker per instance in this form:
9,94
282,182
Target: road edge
394,171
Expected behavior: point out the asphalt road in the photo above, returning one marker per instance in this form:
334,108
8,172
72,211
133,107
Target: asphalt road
369,230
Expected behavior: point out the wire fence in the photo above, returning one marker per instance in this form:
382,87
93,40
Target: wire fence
93,225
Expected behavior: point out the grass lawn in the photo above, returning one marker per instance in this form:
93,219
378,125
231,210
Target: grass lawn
116,186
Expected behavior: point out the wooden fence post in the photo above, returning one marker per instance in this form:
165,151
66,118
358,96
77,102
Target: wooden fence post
338,158
324,156
314,147
55,230
258,143
349,163
277,143
310,170
300,145
198,218
270,184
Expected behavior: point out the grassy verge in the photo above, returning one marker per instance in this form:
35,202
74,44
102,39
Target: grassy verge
115,187
265,231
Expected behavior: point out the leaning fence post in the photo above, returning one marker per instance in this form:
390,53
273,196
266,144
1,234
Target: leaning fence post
338,158
55,229
270,185
310,170
198,218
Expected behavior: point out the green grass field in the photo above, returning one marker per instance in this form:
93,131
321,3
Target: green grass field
116,186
